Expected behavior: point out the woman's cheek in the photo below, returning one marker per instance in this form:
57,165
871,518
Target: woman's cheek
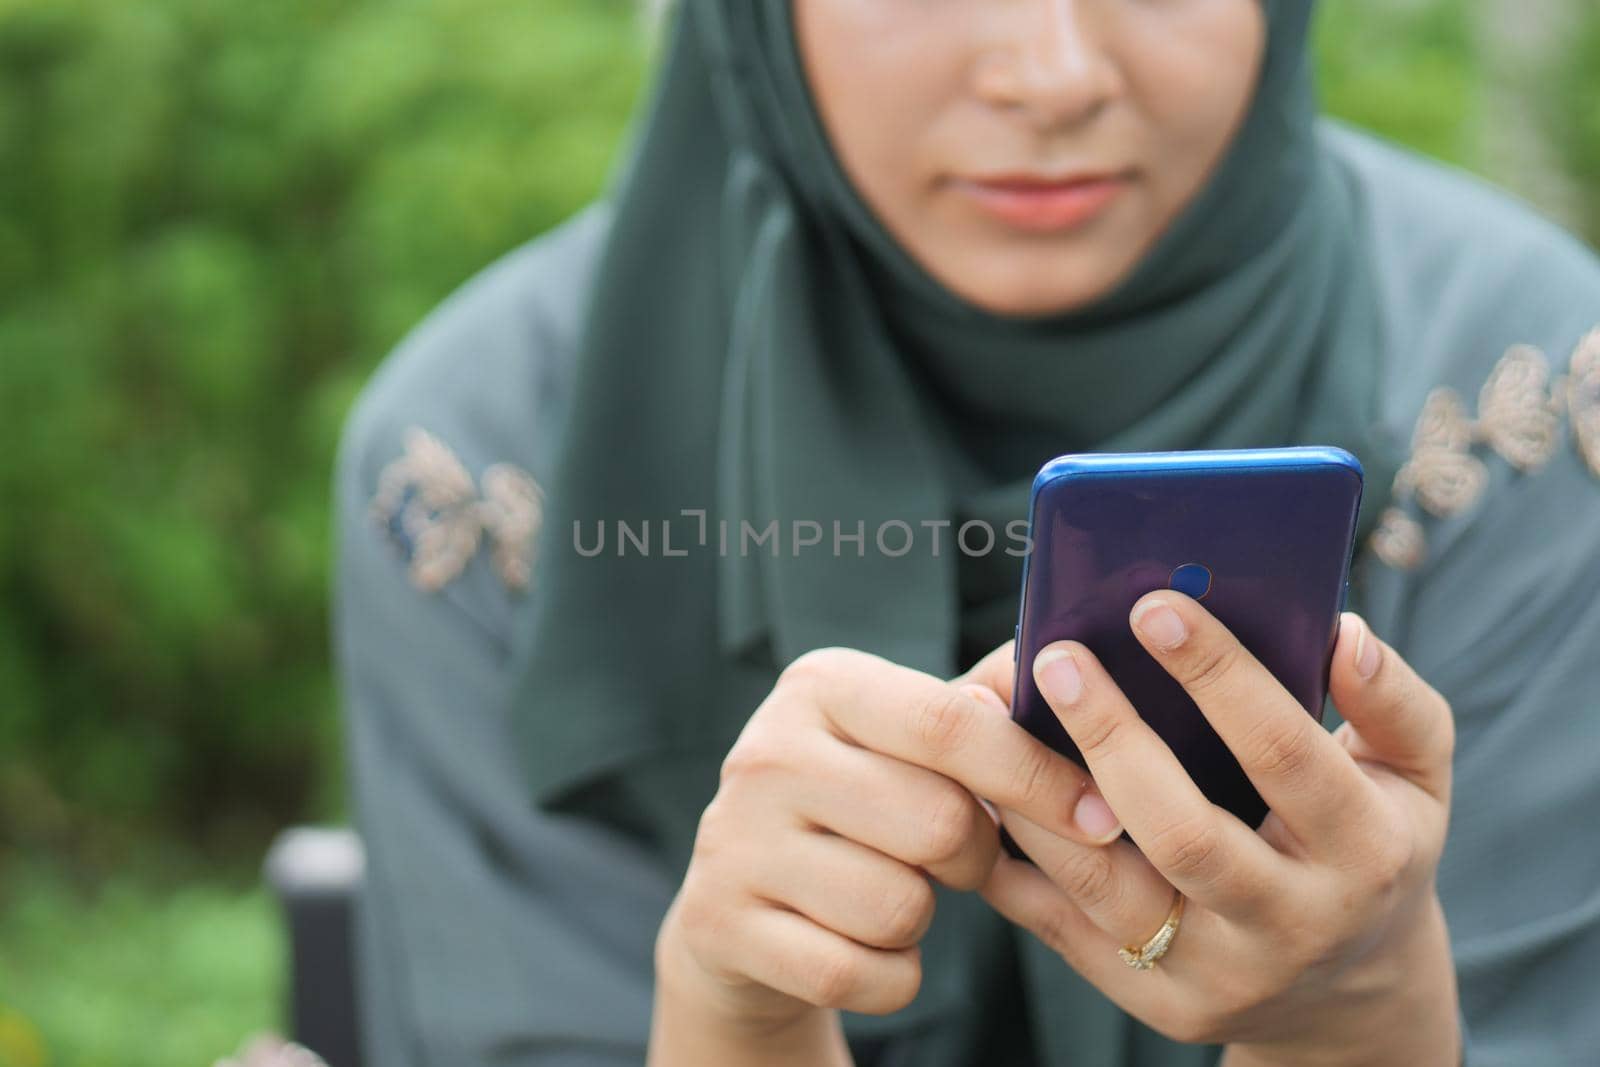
1192,116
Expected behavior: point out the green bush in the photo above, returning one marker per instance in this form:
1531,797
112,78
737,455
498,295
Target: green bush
216,219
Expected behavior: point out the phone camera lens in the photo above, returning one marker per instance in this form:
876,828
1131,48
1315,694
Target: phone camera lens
1191,579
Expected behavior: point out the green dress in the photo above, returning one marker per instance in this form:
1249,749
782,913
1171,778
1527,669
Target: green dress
527,814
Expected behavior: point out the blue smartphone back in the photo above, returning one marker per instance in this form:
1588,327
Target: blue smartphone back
1263,538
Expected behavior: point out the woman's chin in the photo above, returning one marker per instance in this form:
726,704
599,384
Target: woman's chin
1021,287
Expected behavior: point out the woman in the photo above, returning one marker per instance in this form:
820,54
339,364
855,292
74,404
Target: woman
871,264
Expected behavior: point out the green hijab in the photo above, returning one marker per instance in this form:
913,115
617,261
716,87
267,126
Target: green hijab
759,348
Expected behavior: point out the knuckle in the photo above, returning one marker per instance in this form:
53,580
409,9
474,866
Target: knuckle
1037,777
907,911
949,826
1392,861
754,754
1190,849
832,978
1099,734
901,988
1424,719
693,917
1198,1026
943,723
1279,751
713,833
972,876
1380,867
1321,948
804,669
711,825
1445,736
1210,667
1188,1027
704,917
1089,878
810,666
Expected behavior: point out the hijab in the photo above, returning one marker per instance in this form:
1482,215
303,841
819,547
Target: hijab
758,349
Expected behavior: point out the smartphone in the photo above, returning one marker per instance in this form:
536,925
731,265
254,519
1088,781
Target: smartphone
1263,538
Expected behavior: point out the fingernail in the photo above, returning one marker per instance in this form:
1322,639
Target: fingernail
1367,651
1058,677
1096,819
994,813
1160,624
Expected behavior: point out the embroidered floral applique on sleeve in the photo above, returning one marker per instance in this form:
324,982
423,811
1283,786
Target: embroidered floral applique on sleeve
1583,400
512,510
434,514
1519,418
1442,473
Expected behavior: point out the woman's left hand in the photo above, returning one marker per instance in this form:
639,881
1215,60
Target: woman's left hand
1318,939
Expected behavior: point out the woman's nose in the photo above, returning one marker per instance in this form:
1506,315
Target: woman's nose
1050,63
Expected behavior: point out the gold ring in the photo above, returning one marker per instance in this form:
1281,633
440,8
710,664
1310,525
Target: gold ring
1144,957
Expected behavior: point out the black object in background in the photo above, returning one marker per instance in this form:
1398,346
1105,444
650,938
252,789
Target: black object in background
316,875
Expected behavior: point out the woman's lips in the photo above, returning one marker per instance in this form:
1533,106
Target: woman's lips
1044,205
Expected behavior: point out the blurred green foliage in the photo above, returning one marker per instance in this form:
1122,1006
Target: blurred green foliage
1572,100
216,218
1408,70
130,976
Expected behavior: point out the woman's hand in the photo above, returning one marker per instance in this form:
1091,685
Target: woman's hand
851,786
1318,940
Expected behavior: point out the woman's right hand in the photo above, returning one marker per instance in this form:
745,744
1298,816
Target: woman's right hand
854,782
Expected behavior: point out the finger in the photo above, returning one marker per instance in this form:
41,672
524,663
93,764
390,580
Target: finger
848,888
909,813
990,699
934,724
996,672
1211,857
1092,814
1206,947
786,951
1026,896
986,696
1304,775
1399,719
1114,886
